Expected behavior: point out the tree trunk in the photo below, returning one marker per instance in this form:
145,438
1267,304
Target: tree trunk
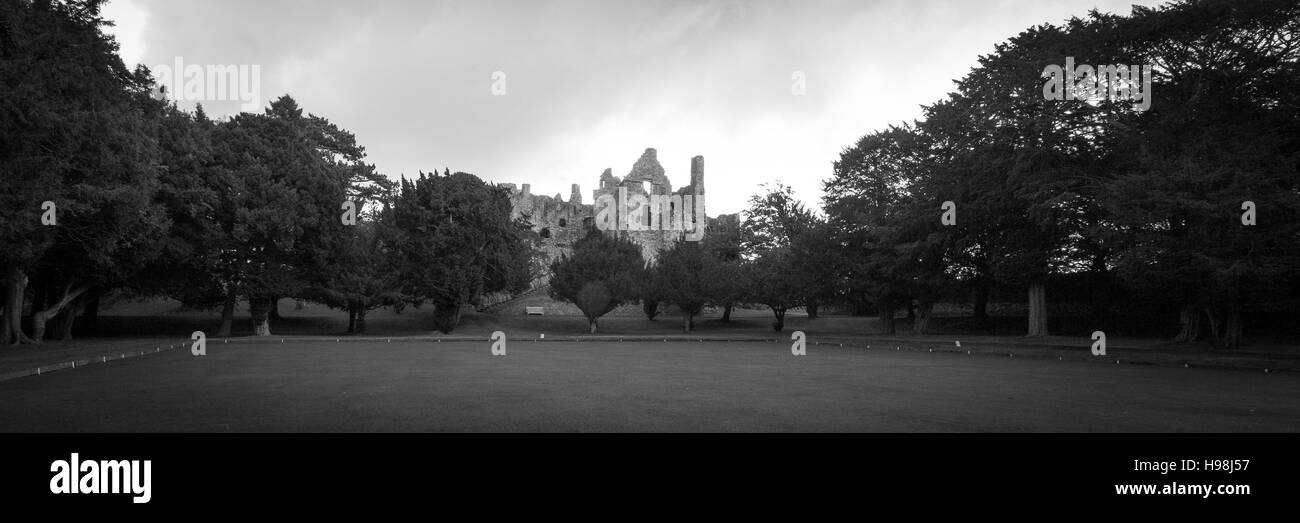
922,323
227,316
686,321
885,311
361,321
65,323
259,310
726,313
1190,317
1037,310
352,320
1214,316
651,309
274,312
39,292
591,323
15,285
40,318
1232,327
65,320
811,309
911,309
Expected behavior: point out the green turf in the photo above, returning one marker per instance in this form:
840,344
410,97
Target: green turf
635,386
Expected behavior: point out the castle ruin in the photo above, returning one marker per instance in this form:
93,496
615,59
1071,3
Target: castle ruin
560,223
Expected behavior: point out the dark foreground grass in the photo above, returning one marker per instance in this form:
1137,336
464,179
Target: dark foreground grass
635,386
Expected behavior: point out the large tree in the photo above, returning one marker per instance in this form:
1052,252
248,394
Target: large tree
78,135
455,241
868,203
603,272
774,281
777,220
1225,130
690,277
261,218
360,274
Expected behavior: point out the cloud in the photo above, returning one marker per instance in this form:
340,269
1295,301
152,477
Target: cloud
591,84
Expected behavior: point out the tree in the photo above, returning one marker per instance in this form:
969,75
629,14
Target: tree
454,241
360,277
690,277
652,291
725,242
262,217
190,267
814,248
77,128
1229,133
776,220
771,283
600,275
867,202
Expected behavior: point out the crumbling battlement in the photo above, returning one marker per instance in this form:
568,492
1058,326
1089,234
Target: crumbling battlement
560,222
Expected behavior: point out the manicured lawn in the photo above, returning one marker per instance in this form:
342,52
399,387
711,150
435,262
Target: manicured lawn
635,386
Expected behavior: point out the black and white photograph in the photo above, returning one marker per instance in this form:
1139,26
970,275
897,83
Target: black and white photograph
929,235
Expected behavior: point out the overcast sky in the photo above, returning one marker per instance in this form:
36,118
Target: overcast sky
590,85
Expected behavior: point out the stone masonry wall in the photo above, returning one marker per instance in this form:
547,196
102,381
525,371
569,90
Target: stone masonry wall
560,223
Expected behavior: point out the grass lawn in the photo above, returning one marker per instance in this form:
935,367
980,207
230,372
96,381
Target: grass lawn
635,386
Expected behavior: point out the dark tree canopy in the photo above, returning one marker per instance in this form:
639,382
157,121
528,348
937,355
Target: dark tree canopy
601,274
455,241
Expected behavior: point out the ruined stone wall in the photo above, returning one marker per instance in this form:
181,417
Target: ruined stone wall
560,223
647,178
